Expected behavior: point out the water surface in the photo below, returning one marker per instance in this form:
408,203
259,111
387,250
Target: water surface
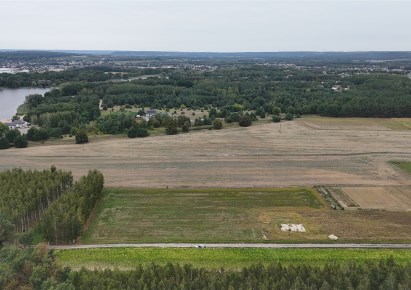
11,99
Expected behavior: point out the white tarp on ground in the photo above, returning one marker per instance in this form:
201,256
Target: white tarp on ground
333,237
292,228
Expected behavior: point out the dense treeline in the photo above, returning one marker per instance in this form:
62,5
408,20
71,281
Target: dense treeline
11,137
25,195
63,221
374,95
35,268
340,92
376,275
59,113
49,199
266,87
47,79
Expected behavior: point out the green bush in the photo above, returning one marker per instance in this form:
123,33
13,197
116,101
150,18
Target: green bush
141,132
4,143
12,134
20,141
289,116
186,126
81,137
217,124
34,134
245,121
132,133
276,118
137,132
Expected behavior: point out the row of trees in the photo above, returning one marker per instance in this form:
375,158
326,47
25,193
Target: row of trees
63,221
35,268
25,195
47,198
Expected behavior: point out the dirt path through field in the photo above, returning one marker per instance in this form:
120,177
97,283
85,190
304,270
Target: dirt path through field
257,156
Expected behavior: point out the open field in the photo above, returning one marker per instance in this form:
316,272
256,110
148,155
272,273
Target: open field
235,215
198,215
380,124
388,198
128,258
256,156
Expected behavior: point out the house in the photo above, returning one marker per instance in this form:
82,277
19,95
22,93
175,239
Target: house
17,124
150,113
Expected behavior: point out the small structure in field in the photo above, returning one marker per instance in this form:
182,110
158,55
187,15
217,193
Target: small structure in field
293,228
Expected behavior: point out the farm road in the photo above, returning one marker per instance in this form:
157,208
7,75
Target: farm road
238,245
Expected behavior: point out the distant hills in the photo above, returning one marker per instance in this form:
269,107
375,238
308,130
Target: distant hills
380,55
295,55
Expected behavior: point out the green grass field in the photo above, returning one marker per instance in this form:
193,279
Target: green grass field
192,215
406,166
126,258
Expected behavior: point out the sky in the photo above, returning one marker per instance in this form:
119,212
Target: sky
206,25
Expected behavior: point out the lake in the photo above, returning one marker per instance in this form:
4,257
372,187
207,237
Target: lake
11,99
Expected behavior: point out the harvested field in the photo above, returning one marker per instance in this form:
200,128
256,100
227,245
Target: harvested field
256,156
377,124
389,198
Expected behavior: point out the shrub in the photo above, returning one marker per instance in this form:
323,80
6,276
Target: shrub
186,126
171,128
276,118
245,121
217,124
132,133
4,143
141,132
81,137
34,134
20,141
276,111
56,133
289,117
11,135
229,119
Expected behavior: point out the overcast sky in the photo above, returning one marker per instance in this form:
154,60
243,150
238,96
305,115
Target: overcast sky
206,25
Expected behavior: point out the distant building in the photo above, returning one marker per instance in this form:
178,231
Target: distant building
150,114
17,124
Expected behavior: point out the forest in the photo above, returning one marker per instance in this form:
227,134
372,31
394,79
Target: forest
37,268
47,200
228,89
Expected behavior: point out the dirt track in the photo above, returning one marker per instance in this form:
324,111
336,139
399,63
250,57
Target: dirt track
259,156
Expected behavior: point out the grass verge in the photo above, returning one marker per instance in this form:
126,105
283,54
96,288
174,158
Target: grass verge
404,165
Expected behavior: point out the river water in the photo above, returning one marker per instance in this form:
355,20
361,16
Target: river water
11,99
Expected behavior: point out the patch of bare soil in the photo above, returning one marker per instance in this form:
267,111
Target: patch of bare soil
396,198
